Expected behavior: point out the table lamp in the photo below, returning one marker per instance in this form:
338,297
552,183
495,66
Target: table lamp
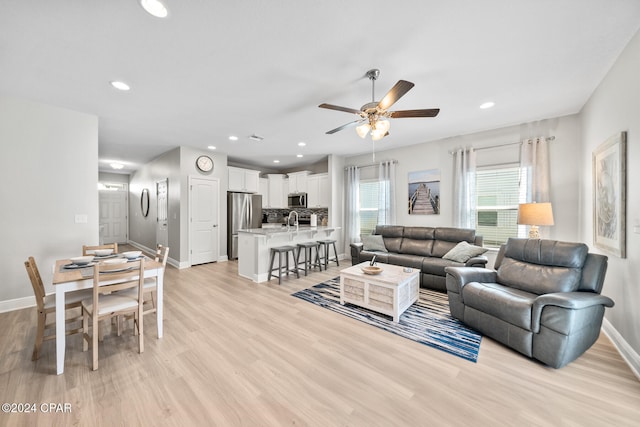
535,214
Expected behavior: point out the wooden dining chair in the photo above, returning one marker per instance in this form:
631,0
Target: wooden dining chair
46,304
151,283
117,290
89,250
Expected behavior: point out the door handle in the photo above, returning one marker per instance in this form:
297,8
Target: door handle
215,225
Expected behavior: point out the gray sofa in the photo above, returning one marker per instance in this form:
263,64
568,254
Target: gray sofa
421,248
542,300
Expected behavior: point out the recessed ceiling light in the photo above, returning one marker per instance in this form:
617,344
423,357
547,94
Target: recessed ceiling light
120,85
233,138
487,105
117,165
155,8
276,161
298,155
211,147
301,144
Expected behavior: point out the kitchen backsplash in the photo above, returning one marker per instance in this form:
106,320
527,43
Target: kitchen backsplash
279,215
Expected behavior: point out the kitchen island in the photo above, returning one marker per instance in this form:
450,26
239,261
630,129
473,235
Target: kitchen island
254,246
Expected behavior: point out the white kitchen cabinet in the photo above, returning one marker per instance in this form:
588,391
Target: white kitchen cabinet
318,191
264,192
245,180
298,182
276,190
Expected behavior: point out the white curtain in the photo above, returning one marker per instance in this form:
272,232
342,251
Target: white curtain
464,188
352,215
534,159
386,196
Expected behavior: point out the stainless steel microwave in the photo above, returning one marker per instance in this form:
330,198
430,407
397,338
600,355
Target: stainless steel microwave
297,200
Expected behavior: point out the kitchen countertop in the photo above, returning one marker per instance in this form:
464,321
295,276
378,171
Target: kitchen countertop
271,231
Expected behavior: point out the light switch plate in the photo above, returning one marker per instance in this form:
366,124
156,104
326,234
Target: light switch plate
81,219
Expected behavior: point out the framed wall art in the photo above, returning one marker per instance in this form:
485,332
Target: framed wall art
424,192
609,171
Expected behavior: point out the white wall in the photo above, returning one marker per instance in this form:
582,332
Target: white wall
49,173
435,155
615,107
176,165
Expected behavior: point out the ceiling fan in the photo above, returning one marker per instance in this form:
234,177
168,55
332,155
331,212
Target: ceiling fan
374,115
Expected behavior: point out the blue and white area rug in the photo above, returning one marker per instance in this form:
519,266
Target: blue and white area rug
428,321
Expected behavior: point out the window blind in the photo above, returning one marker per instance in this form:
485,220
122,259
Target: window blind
498,195
368,208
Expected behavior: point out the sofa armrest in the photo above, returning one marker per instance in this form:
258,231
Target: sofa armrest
356,248
477,261
568,300
458,277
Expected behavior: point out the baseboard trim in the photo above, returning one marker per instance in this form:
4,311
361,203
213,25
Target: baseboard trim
17,304
626,351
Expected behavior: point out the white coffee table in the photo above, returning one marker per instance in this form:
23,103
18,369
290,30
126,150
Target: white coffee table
390,292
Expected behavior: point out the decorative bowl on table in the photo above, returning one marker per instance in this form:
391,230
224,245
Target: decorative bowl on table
132,254
82,260
371,269
103,252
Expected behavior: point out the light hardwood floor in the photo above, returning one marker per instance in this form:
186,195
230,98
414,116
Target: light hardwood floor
236,353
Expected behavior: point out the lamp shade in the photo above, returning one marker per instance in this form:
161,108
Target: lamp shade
535,214
363,130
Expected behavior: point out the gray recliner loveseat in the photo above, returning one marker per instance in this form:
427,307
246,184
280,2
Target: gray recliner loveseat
542,300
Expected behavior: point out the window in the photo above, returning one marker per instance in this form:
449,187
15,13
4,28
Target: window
368,209
498,196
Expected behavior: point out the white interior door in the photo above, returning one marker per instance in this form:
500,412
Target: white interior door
113,215
204,205
162,224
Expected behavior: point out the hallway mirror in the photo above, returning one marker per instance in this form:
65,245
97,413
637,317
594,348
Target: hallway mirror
144,202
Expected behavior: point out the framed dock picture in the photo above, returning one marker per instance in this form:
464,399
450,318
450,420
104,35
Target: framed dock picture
610,195
424,192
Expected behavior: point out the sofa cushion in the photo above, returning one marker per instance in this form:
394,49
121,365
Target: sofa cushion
392,235
380,256
373,242
542,266
406,260
447,238
417,241
463,251
504,303
436,266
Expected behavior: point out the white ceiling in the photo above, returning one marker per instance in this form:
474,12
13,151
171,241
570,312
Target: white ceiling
214,69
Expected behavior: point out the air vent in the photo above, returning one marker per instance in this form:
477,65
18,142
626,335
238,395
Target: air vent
255,137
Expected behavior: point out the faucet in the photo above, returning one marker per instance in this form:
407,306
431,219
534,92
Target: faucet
289,219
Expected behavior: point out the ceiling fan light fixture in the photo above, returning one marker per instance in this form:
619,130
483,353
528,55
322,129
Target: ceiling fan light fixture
377,135
363,130
382,126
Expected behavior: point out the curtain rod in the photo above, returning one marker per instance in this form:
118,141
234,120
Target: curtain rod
370,165
551,138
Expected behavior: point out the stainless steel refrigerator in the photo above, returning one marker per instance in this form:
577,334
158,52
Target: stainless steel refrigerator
244,210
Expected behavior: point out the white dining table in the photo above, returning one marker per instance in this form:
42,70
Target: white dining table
68,280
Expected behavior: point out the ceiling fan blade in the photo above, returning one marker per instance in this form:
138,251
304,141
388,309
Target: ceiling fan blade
348,125
414,113
337,107
394,94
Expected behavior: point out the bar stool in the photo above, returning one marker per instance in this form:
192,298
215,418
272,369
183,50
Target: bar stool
308,262
283,251
325,258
